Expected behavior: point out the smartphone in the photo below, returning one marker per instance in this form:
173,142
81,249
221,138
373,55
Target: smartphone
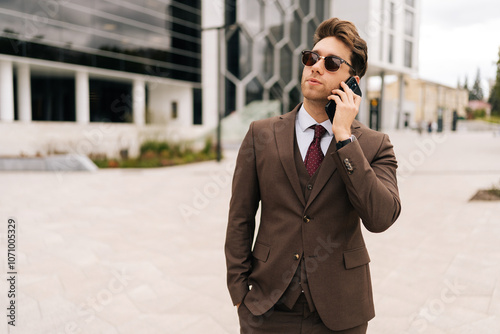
331,105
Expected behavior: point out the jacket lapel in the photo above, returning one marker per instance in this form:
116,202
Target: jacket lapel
284,132
328,166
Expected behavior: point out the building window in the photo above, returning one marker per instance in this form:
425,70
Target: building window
382,24
391,49
156,38
110,101
408,53
409,23
392,16
52,98
381,55
197,107
174,110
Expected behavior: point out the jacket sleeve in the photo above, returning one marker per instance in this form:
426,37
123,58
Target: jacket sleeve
244,203
371,185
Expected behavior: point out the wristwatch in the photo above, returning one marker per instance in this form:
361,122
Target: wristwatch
343,143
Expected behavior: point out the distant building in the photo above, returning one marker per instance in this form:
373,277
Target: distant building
424,102
480,105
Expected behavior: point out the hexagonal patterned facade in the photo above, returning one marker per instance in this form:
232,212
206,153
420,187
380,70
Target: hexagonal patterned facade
263,54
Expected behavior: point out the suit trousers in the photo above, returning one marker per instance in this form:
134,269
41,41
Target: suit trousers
281,319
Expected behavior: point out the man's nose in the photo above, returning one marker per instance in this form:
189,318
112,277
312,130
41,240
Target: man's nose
319,66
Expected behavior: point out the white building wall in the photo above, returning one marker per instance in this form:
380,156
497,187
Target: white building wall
161,99
345,10
45,138
358,13
378,30
6,91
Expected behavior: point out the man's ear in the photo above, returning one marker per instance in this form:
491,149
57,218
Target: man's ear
357,79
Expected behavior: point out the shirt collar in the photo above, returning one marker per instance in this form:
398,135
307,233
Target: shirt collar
305,121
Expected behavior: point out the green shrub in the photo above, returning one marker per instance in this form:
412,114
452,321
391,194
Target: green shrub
479,113
160,153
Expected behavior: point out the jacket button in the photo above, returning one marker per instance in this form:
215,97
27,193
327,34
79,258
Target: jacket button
296,256
309,186
306,219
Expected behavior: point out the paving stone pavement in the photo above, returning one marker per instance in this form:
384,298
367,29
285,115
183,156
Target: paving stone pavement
141,251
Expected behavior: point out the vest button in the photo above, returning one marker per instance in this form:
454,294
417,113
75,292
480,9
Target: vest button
309,186
296,256
306,219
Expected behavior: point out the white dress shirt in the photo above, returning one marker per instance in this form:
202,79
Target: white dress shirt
305,135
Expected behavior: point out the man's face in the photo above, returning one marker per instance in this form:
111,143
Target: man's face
317,83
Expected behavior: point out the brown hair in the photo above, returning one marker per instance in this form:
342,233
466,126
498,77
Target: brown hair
346,32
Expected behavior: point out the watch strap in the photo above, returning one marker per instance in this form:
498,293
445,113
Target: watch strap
343,143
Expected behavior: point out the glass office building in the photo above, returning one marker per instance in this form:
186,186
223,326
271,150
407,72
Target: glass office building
263,53
151,39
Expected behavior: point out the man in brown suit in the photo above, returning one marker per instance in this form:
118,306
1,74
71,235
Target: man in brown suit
306,271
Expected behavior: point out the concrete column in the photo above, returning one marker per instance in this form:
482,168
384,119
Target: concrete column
139,102
381,102
82,97
399,118
24,92
212,18
364,108
6,91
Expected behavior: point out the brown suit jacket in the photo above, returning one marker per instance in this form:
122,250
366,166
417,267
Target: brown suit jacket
356,182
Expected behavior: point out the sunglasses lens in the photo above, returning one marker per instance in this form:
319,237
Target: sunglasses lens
309,58
332,64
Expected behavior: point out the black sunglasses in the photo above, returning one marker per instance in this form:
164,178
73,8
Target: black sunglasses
332,63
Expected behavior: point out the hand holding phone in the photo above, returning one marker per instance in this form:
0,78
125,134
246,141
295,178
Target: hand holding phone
330,107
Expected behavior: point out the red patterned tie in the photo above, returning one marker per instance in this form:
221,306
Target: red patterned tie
314,155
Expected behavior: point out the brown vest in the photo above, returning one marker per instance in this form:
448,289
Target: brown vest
299,281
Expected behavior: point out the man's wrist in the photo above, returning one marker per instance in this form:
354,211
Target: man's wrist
342,136
342,143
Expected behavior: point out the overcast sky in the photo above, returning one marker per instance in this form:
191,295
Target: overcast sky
456,38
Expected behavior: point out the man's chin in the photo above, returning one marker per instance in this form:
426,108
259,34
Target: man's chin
316,101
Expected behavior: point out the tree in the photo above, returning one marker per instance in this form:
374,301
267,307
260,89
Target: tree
476,93
494,99
466,83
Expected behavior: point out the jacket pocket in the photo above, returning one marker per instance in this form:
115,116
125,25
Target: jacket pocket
356,257
261,251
